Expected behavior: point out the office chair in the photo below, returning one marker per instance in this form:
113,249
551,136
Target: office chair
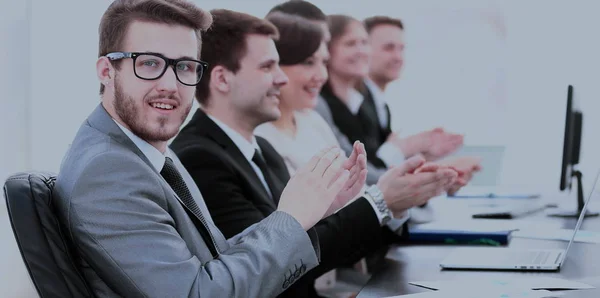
47,254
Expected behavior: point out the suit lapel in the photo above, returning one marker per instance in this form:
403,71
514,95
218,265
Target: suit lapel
345,121
102,121
205,127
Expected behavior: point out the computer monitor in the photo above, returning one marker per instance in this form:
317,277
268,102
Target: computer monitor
570,158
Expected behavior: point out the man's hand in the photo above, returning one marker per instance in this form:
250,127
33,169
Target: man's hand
441,143
312,190
432,144
414,183
357,166
466,167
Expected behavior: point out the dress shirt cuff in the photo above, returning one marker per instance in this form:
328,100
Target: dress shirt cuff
396,223
390,154
314,239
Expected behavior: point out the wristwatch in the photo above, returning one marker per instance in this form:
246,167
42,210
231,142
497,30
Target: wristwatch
376,196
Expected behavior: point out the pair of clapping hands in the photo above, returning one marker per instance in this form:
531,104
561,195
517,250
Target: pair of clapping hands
330,180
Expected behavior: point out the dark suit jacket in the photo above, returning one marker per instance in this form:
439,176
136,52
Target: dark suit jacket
237,199
354,127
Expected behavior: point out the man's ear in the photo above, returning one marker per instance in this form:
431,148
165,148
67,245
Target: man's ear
221,78
105,71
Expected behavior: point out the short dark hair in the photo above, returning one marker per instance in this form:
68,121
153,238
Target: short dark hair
299,38
121,13
372,22
338,24
301,8
225,43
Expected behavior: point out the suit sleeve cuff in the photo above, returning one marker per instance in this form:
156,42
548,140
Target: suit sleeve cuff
314,239
380,216
390,154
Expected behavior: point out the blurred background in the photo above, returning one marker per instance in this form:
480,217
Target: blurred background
496,71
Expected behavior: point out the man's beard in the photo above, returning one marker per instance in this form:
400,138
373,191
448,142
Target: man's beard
126,109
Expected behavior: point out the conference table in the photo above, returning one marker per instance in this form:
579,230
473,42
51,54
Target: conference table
420,262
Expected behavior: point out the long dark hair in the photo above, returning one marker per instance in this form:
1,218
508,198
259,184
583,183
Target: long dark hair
299,38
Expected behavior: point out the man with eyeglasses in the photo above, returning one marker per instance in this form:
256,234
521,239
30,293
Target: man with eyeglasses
137,221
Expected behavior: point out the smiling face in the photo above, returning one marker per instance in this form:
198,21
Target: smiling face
305,80
350,52
256,85
151,109
387,52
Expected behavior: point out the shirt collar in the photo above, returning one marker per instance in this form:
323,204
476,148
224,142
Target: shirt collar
379,100
376,92
156,158
247,148
355,100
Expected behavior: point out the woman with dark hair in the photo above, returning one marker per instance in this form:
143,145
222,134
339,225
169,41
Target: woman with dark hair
300,132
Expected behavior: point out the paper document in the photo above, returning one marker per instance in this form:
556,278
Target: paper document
558,234
501,283
485,225
484,294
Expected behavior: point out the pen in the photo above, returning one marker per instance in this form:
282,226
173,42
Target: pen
495,196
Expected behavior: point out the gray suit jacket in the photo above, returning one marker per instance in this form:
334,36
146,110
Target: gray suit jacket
322,108
134,238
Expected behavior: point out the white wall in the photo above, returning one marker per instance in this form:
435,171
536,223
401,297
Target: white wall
14,86
14,133
450,60
64,84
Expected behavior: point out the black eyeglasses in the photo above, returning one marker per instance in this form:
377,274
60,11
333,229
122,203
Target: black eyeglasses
152,66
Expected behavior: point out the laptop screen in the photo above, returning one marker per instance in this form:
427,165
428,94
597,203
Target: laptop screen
581,216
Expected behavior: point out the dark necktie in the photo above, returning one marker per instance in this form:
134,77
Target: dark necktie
274,186
173,177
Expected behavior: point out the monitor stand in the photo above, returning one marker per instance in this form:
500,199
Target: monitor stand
580,203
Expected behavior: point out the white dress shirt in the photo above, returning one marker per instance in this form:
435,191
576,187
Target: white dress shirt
312,135
247,148
380,102
355,100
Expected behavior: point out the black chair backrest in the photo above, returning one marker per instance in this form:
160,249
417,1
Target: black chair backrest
47,254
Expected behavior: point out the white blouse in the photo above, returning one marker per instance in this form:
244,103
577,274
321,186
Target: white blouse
312,135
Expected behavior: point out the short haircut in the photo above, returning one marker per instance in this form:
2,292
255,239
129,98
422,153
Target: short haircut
225,43
299,38
338,24
301,8
121,13
372,22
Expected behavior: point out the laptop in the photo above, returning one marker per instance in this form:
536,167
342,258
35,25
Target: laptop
502,258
